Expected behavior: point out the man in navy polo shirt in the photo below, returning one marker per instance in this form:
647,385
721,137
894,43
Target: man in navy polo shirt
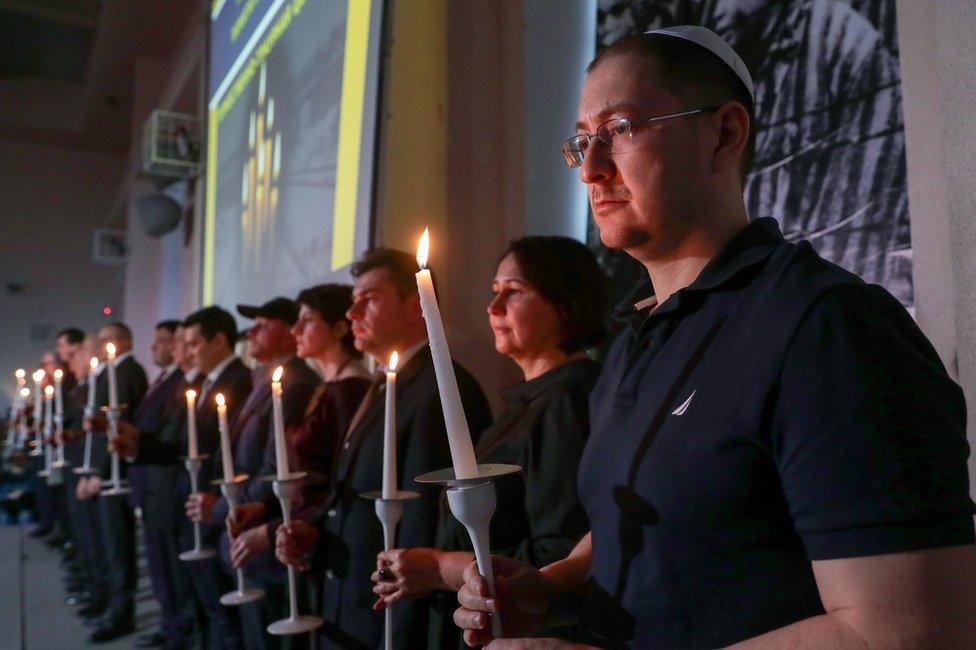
777,456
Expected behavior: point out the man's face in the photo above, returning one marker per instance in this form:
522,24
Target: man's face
642,194
66,349
379,315
270,339
162,347
180,355
204,354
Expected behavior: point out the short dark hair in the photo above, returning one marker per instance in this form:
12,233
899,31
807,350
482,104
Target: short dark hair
73,334
402,267
121,330
566,274
168,325
692,73
212,320
331,302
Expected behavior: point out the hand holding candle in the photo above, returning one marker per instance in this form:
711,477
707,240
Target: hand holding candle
458,435
281,450
389,433
191,424
227,460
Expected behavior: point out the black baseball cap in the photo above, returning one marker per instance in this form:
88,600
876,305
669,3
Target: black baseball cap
281,308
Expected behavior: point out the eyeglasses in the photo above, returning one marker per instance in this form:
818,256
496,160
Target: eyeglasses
613,132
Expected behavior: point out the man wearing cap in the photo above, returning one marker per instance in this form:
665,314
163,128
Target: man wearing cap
252,443
777,456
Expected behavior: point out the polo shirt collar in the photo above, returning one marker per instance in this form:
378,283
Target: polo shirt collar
750,246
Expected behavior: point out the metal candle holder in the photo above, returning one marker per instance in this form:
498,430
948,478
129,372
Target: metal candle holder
284,489
86,467
38,442
193,466
231,491
472,501
115,485
61,462
46,437
389,511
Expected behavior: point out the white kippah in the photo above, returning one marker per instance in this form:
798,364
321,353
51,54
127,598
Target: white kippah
706,38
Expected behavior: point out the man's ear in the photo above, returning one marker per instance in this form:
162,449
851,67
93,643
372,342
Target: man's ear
413,304
733,136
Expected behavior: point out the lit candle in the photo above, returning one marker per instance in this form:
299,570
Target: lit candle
458,436
48,416
389,433
58,397
92,377
191,423
281,451
21,376
38,377
225,456
113,390
24,394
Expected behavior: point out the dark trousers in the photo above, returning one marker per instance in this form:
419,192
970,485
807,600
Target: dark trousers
170,584
223,625
119,548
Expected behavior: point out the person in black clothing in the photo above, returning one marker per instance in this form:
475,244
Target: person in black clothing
548,306
777,456
345,533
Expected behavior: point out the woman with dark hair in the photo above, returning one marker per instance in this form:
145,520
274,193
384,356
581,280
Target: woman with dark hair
550,297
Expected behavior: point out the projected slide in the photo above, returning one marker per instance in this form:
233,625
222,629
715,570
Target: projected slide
293,93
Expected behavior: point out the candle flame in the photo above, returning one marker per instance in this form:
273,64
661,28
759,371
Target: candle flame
279,371
393,361
25,392
49,391
219,398
191,394
93,364
58,374
110,350
423,248
38,375
20,373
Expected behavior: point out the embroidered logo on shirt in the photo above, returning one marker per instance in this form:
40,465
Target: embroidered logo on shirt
684,405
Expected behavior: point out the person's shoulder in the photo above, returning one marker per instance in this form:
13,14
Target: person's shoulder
298,372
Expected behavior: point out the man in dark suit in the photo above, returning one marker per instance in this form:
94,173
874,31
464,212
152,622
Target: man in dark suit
345,533
117,522
271,345
210,334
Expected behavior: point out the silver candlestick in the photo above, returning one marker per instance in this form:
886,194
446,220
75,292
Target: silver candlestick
472,501
389,511
242,594
284,489
115,485
86,467
196,553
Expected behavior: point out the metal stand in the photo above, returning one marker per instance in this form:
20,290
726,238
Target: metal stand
389,511
196,553
115,484
39,445
46,442
60,463
86,467
284,489
242,595
472,502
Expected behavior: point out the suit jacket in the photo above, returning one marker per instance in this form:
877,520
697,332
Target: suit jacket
131,385
252,434
149,418
351,535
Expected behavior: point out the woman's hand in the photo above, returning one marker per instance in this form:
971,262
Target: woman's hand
245,517
248,545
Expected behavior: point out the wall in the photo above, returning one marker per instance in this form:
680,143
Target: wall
939,85
53,198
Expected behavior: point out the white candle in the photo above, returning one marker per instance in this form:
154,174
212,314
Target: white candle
113,390
38,377
58,396
281,450
92,377
458,436
21,376
389,433
191,423
225,456
48,416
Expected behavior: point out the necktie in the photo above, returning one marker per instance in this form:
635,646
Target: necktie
368,399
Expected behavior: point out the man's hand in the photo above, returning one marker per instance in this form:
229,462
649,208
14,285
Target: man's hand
126,443
70,435
406,573
81,489
92,487
245,517
249,545
97,423
199,507
522,599
292,545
